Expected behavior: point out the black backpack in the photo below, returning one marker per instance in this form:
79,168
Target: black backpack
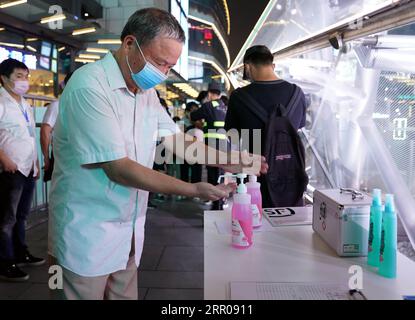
286,178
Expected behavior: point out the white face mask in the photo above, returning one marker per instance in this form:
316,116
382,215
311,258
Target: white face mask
21,87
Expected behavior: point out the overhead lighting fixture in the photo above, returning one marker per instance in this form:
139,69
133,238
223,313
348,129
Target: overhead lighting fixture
83,31
31,48
2,29
61,49
109,41
187,88
89,56
228,16
13,45
32,39
12,3
97,50
84,60
57,17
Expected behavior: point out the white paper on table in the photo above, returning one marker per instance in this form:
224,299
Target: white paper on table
295,216
288,291
225,226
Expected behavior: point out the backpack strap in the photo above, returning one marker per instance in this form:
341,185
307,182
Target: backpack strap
295,99
253,106
259,110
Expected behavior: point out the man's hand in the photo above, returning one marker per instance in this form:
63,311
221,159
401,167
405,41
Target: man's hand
7,164
207,191
46,164
37,176
250,164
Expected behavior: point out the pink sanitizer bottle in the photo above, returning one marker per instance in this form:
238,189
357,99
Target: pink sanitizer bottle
242,232
254,189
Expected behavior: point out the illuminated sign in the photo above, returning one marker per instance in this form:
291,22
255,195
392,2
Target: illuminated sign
4,54
16,55
44,63
28,59
54,66
46,49
181,15
400,126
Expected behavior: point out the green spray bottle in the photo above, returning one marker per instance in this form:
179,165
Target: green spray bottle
375,229
389,240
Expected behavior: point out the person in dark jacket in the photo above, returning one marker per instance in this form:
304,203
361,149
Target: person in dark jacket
213,113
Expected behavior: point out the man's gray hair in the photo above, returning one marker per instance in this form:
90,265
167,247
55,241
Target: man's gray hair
147,24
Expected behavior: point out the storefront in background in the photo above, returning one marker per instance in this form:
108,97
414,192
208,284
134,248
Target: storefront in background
48,62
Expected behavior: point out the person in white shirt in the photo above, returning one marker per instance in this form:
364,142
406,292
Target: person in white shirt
19,168
46,131
104,144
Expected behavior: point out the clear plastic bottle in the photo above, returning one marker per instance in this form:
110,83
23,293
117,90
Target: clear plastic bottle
242,232
254,189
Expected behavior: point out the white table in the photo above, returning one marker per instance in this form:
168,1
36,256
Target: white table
290,254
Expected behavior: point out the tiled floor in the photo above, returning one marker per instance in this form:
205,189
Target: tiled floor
171,265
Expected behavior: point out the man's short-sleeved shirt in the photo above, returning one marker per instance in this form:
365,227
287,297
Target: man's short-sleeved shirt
92,219
51,114
18,134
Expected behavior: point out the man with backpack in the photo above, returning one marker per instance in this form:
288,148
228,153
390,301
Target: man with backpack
278,109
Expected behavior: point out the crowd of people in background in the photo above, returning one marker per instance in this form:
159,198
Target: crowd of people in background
194,122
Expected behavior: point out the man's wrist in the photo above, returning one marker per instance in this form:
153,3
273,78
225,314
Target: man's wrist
2,157
191,190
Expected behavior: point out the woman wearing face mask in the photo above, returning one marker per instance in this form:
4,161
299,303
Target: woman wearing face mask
19,168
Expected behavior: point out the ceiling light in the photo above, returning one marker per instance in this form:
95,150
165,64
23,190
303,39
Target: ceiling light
83,31
84,60
2,29
89,56
11,4
31,39
57,17
97,50
109,41
31,48
14,45
61,49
